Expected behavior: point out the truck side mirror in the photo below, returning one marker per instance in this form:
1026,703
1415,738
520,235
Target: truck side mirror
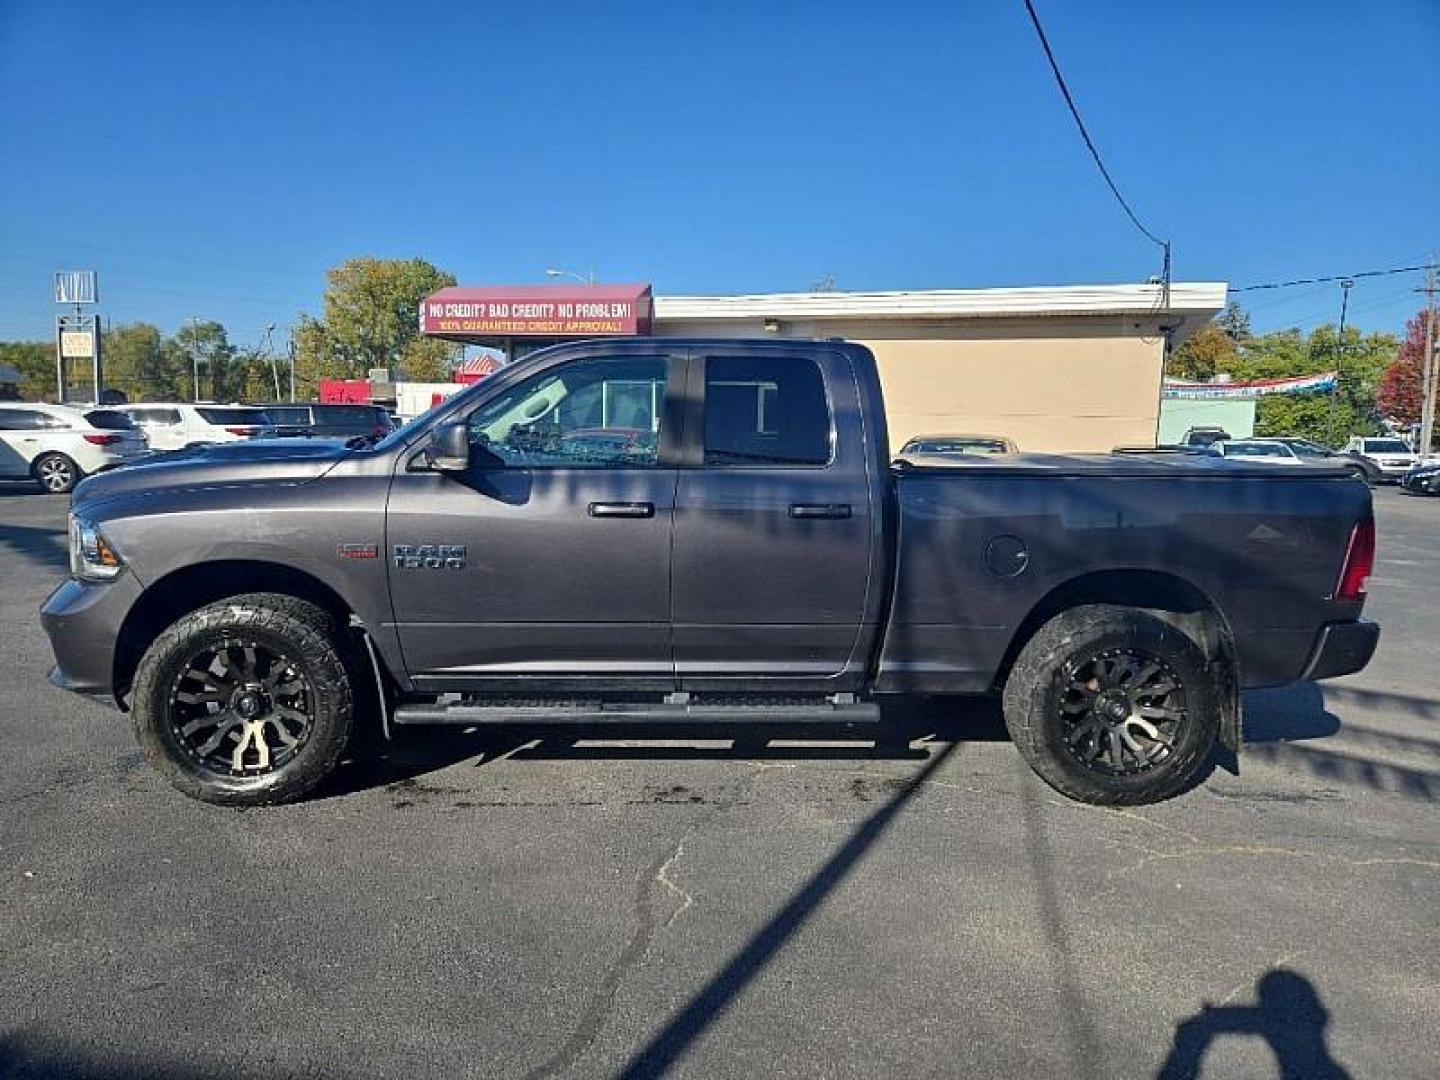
449,448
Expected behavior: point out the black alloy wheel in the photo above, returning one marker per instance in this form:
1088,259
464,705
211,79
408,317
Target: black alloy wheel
1123,711
239,708
248,701
1114,705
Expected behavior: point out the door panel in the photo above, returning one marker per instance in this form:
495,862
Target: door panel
547,589
563,525
772,560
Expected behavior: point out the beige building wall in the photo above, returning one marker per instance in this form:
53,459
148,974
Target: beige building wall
1048,383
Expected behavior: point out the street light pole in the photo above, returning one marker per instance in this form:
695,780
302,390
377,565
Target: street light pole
571,273
1345,286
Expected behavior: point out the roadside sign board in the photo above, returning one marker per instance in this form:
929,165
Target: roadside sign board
74,343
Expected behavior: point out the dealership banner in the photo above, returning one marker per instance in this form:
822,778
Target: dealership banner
1300,384
462,313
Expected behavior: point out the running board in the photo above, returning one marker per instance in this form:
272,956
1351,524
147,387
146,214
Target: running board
821,711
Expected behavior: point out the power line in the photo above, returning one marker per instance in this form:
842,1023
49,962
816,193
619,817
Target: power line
1330,278
1164,245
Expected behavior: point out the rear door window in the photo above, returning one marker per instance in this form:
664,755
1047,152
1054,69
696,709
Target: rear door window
110,420
769,410
21,420
225,417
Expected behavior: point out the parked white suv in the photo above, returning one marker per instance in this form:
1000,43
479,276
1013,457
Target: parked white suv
174,426
1392,456
59,444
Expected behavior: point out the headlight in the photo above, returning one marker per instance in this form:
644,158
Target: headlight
92,558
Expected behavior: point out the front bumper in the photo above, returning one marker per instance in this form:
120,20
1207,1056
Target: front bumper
1427,483
1342,648
83,621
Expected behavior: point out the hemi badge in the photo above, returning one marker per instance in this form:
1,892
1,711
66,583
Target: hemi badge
357,551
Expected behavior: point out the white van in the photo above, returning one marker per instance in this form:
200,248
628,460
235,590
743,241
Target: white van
58,445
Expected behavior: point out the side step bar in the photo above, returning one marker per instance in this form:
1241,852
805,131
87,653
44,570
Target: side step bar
821,711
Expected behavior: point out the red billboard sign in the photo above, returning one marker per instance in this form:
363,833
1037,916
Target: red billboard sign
465,313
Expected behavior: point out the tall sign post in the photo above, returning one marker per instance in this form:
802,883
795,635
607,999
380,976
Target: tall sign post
77,334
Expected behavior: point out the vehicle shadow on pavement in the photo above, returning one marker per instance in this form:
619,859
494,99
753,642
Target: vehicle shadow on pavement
38,1057
1288,1014
47,547
1279,724
416,751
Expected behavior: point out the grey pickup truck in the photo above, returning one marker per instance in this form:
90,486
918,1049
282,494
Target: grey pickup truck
658,530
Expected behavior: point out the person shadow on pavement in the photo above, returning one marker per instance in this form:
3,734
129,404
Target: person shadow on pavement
1288,1014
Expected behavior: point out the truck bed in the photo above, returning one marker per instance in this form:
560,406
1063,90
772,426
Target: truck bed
986,542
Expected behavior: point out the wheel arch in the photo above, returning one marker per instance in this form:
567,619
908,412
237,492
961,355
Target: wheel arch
192,587
1168,597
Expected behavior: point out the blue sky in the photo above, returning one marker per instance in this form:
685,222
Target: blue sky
213,159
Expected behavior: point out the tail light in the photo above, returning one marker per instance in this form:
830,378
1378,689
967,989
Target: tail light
242,430
1359,562
101,440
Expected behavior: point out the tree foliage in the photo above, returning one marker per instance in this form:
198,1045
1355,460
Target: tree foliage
35,361
1401,386
371,320
1226,347
1234,322
1203,355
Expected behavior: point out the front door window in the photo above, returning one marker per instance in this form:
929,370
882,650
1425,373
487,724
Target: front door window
595,413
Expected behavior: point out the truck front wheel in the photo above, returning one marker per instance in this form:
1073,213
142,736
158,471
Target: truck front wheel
247,701
1113,706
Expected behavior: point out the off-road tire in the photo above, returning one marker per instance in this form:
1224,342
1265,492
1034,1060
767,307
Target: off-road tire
1038,679
301,630
57,473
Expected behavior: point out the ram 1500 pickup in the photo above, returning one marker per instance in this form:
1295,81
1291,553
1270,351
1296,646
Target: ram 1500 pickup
655,530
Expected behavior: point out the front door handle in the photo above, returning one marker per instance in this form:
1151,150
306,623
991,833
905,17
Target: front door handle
622,509
820,510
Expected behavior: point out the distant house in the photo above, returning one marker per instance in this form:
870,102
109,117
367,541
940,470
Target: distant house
9,383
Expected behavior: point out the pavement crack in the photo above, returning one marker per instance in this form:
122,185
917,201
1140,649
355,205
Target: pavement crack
648,923
663,877
1267,851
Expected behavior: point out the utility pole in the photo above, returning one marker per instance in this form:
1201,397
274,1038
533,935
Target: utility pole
1345,286
195,355
1430,379
265,353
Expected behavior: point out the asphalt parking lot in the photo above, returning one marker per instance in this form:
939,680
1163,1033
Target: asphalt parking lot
502,904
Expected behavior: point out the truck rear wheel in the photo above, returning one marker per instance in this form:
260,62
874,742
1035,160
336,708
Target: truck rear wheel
247,701
1113,706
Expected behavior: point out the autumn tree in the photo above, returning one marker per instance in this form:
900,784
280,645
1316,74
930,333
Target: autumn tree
371,320
1203,355
1401,392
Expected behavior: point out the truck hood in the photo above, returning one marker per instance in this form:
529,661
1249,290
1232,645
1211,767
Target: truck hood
260,461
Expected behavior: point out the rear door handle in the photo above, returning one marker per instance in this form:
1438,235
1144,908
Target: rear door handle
820,510
623,509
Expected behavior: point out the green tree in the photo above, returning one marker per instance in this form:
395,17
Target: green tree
1361,359
371,320
136,363
1203,355
35,360
204,342
1234,321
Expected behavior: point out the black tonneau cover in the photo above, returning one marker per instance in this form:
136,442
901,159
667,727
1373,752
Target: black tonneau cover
1130,463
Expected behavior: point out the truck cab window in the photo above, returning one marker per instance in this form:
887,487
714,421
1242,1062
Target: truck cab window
765,411
591,413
